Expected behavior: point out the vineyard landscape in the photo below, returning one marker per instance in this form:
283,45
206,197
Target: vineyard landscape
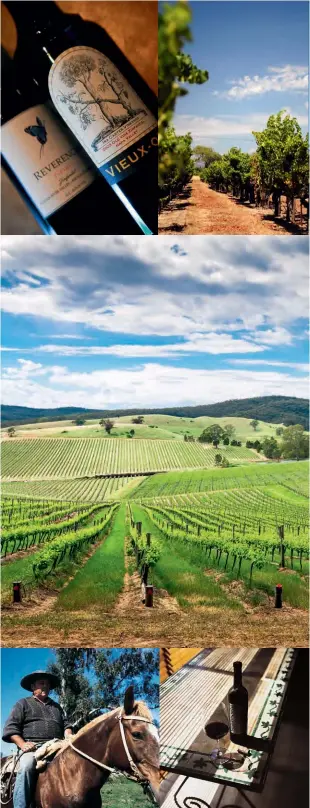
211,512
212,180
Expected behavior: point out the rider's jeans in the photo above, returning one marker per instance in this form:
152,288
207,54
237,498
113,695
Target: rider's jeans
25,781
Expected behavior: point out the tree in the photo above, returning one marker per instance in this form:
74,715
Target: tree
138,419
75,692
226,441
282,160
79,420
96,679
212,434
271,449
218,459
205,156
224,463
230,430
138,666
84,101
279,431
11,432
254,424
113,81
131,432
107,424
295,443
217,175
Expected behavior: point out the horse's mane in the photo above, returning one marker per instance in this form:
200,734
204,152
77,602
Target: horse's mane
140,708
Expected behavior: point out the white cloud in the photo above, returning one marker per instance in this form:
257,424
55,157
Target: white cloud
302,367
209,343
25,369
289,79
120,285
273,336
227,126
149,385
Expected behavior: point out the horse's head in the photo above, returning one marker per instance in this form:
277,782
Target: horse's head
134,723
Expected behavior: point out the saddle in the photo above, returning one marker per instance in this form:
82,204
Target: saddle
10,766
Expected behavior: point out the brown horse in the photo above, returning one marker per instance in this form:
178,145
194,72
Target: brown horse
124,739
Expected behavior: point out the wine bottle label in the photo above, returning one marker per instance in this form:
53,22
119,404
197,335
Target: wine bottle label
106,115
45,158
238,718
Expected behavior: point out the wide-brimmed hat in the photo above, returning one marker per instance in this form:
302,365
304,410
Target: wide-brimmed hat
28,680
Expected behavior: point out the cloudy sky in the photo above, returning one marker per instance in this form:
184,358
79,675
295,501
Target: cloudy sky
110,321
256,54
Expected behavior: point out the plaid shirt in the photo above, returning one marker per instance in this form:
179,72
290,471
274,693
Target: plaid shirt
36,721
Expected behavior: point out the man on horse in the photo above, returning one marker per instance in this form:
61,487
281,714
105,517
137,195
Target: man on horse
33,721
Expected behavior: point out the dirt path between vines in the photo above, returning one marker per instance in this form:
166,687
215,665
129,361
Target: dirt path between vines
201,626
130,601
199,210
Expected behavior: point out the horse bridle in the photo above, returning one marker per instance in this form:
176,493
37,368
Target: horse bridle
133,766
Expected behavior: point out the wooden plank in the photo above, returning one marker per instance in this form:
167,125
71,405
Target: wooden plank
172,659
189,705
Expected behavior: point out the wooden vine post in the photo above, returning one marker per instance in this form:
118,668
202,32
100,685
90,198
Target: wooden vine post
281,536
17,593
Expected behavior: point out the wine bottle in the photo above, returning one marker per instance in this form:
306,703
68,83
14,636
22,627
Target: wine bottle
107,106
47,165
238,704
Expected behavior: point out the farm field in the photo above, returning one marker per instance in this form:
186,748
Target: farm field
215,541
52,458
94,489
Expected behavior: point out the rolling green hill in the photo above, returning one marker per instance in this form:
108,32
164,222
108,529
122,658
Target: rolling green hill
275,409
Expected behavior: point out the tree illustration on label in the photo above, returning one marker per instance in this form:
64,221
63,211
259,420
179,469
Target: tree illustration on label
39,132
91,98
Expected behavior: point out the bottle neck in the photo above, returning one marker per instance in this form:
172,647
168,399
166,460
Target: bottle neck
237,674
32,14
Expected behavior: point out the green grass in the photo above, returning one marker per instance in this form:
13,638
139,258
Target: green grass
181,576
118,792
102,577
154,426
265,474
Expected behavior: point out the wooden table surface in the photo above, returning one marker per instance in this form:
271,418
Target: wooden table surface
133,26
197,695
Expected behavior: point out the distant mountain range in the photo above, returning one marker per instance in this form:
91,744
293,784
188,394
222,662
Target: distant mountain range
274,409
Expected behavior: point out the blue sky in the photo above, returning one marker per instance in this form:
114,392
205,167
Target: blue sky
107,321
16,663
256,54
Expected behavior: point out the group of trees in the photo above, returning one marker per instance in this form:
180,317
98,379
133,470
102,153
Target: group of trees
294,444
94,680
279,166
216,434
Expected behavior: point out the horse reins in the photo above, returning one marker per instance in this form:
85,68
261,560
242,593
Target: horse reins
133,766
